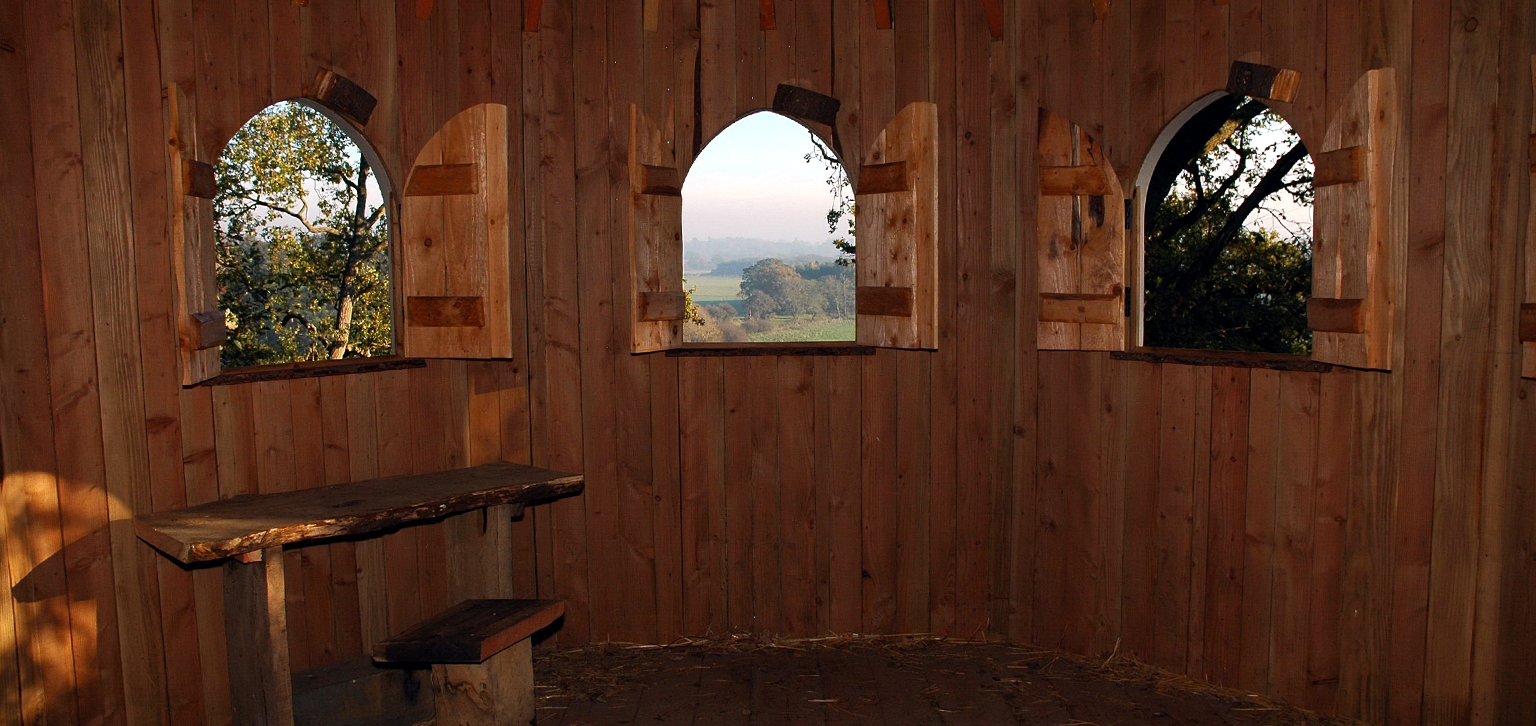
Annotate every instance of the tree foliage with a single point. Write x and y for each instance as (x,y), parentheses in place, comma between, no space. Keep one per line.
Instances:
(771,287)
(1214,278)
(303,256)
(843,205)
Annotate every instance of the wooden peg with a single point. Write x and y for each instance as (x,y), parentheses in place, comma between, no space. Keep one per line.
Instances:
(423,9)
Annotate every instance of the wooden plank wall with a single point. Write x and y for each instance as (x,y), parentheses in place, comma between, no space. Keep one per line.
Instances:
(1356,542)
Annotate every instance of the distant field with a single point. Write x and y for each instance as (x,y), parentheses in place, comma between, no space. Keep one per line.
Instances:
(799,332)
(715,288)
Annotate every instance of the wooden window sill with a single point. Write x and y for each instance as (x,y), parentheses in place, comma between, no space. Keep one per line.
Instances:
(1227,358)
(721,350)
(310,369)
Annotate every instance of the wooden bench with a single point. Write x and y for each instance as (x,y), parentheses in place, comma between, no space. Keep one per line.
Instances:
(482,658)
(248,534)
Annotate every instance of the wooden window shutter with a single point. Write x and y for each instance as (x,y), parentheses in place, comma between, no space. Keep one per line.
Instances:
(200,322)
(1353,248)
(656,299)
(897,222)
(453,262)
(1081,243)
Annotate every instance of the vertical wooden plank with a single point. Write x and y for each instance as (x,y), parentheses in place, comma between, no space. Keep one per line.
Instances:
(158,347)
(1517,702)
(561,330)
(1330,505)
(1056,475)
(739,521)
(272,436)
(1199,524)
(1143,384)
(1024,38)
(110,234)
(1420,375)
(200,472)
(346,616)
(938,26)
(1465,385)
(1264,457)
(972,281)
(314,560)
(1082,504)
(424,436)
(750,61)
(701,446)
(1226,527)
(363,463)
(763,395)
(595,233)
(37,673)
(632,389)
(1175,481)
(1294,507)
(841,411)
(797,495)
(402,584)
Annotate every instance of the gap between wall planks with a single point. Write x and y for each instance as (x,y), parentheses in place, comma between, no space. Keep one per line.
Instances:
(947,428)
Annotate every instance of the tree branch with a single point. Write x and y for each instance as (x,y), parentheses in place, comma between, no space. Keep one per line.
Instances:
(1273,181)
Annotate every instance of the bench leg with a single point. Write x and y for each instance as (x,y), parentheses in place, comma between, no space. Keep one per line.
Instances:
(256,633)
(498,692)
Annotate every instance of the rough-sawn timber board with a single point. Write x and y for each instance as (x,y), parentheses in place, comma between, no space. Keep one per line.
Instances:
(230,527)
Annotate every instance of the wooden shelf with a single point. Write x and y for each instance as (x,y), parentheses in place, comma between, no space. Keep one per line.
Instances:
(232,527)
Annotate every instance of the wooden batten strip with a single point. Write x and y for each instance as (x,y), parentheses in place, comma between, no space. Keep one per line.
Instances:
(884,178)
(1341,166)
(423,9)
(205,330)
(1072,181)
(994,18)
(665,305)
(531,12)
(661,181)
(424,311)
(765,13)
(1336,315)
(343,96)
(200,179)
(894,302)
(1261,81)
(805,104)
(442,180)
(1103,309)
(1528,323)
(1530,153)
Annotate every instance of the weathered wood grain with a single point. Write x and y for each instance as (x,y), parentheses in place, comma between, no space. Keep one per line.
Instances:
(244,524)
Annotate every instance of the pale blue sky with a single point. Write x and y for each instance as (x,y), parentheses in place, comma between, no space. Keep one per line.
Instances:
(753,181)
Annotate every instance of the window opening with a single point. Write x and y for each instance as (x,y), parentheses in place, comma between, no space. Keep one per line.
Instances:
(1228,234)
(303,258)
(768,237)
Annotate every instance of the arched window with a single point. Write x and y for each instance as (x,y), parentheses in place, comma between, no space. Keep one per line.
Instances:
(896,278)
(303,259)
(1227,259)
(767,237)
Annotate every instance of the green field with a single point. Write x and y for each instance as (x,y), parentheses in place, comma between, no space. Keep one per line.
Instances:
(800,331)
(715,288)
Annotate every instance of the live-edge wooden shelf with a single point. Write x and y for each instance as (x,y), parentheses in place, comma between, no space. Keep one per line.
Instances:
(232,527)
(248,534)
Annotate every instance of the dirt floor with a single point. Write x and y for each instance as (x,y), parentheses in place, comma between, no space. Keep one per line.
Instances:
(873,681)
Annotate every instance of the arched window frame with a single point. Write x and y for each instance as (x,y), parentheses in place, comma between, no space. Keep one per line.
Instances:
(897,260)
(469,202)
(1358,247)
